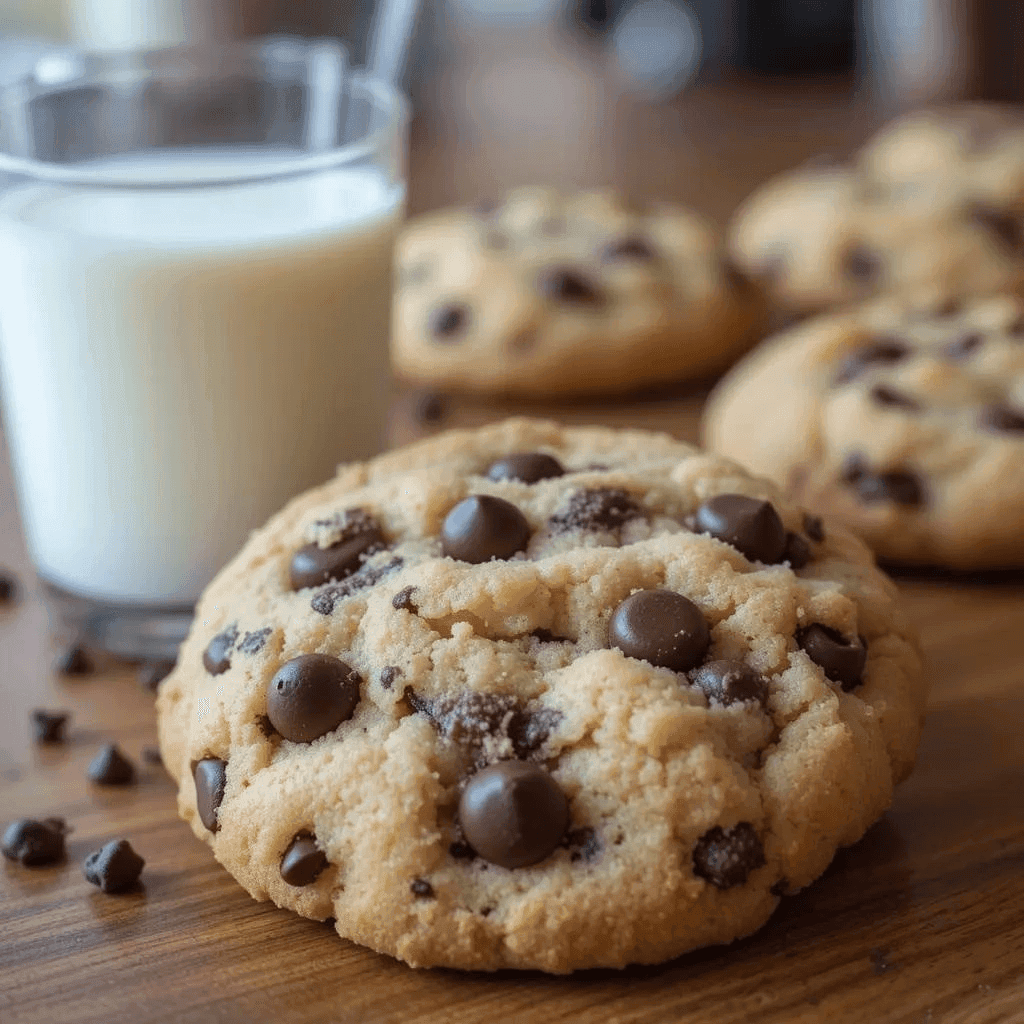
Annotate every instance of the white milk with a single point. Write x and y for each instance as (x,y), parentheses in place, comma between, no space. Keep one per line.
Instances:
(177,363)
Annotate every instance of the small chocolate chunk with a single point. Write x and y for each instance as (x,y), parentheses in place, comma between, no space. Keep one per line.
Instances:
(583,844)
(633,247)
(74,660)
(1003,419)
(303,862)
(513,813)
(254,641)
(449,322)
(325,600)
(217,656)
(48,726)
(840,659)
(529,730)
(726,857)
(1001,225)
(152,673)
(313,565)
(469,717)
(750,525)
(814,527)
(730,682)
(527,467)
(34,843)
(402,601)
(481,528)
(862,264)
(662,627)
(151,755)
(948,308)
(883,352)
(8,587)
(461,850)
(569,286)
(595,510)
(311,695)
(115,867)
(111,768)
(210,777)
(898,486)
(388,675)
(422,888)
(885,395)
(429,408)
(963,346)
(798,551)
(266,727)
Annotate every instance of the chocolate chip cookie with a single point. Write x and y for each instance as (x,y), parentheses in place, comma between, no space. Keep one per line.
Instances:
(904,422)
(549,294)
(537,697)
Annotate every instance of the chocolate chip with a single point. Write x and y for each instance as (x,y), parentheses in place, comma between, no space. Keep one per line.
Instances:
(1003,226)
(311,695)
(469,717)
(583,844)
(529,730)
(115,867)
(884,352)
(48,726)
(569,286)
(303,862)
(210,777)
(662,627)
(888,396)
(325,600)
(481,528)
(266,727)
(545,636)
(388,675)
(862,264)
(313,565)
(798,551)
(151,755)
(841,660)
(111,768)
(725,857)
(217,656)
(632,247)
(527,467)
(8,587)
(948,308)
(597,509)
(963,346)
(449,321)
(34,843)
(750,525)
(1002,418)
(252,642)
(898,486)
(422,888)
(730,682)
(402,601)
(461,850)
(74,661)
(428,408)
(513,813)
(152,673)
(814,527)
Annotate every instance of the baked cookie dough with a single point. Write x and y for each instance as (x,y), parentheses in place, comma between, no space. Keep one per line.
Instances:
(550,294)
(904,422)
(537,697)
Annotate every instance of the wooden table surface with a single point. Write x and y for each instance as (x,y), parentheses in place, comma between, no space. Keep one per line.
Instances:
(922,921)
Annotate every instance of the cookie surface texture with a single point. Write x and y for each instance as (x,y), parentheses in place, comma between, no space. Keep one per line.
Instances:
(457,759)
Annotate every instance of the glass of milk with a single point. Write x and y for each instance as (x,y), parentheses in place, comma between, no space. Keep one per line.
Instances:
(195,285)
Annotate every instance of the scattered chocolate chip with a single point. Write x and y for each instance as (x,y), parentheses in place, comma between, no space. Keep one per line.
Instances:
(798,551)
(630,248)
(527,467)
(8,587)
(841,660)
(513,813)
(481,528)
(74,661)
(402,601)
(725,857)
(529,730)
(963,346)
(111,768)
(1003,226)
(34,843)
(883,394)
(566,285)
(422,888)
(583,844)
(597,509)
(115,867)
(750,525)
(898,486)
(252,642)
(311,695)
(862,264)
(814,527)
(545,636)
(152,673)
(217,656)
(303,862)
(210,777)
(428,408)
(884,352)
(449,321)
(151,755)
(265,726)
(48,726)
(388,675)
(313,565)
(662,627)
(730,682)
(461,850)
(1003,419)
(325,600)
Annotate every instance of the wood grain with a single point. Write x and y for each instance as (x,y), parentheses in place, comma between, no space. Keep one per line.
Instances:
(922,921)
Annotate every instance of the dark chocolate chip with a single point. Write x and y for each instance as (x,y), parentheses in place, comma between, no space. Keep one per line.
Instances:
(583,844)
(210,777)
(750,525)
(217,656)
(814,527)
(730,682)
(481,528)
(889,396)
(402,601)
(449,321)
(151,755)
(422,888)
(884,352)
(311,695)
(726,857)
(313,565)
(469,717)
(461,850)
(303,862)
(854,468)
(862,264)
(963,346)
(841,660)
(545,636)
(898,486)
(265,726)
(429,408)
(513,813)
(662,627)
(1002,418)
(1003,226)
(527,467)
(630,248)
(74,661)
(324,601)
(569,286)
(388,675)
(253,642)
(798,551)
(115,867)
(152,673)
(597,509)
(8,587)
(48,726)
(34,843)
(111,768)
(529,730)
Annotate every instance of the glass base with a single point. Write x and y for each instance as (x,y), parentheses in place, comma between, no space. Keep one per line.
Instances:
(135,632)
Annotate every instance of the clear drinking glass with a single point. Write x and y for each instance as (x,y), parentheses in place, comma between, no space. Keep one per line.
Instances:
(195,288)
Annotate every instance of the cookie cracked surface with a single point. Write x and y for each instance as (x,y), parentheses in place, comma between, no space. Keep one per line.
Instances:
(511,788)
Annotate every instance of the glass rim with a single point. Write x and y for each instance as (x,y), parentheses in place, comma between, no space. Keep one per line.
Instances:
(384,96)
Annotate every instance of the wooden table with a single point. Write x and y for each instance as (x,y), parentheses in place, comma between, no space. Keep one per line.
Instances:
(922,921)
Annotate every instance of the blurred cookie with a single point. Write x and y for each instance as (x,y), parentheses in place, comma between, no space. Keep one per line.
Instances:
(549,294)
(906,424)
